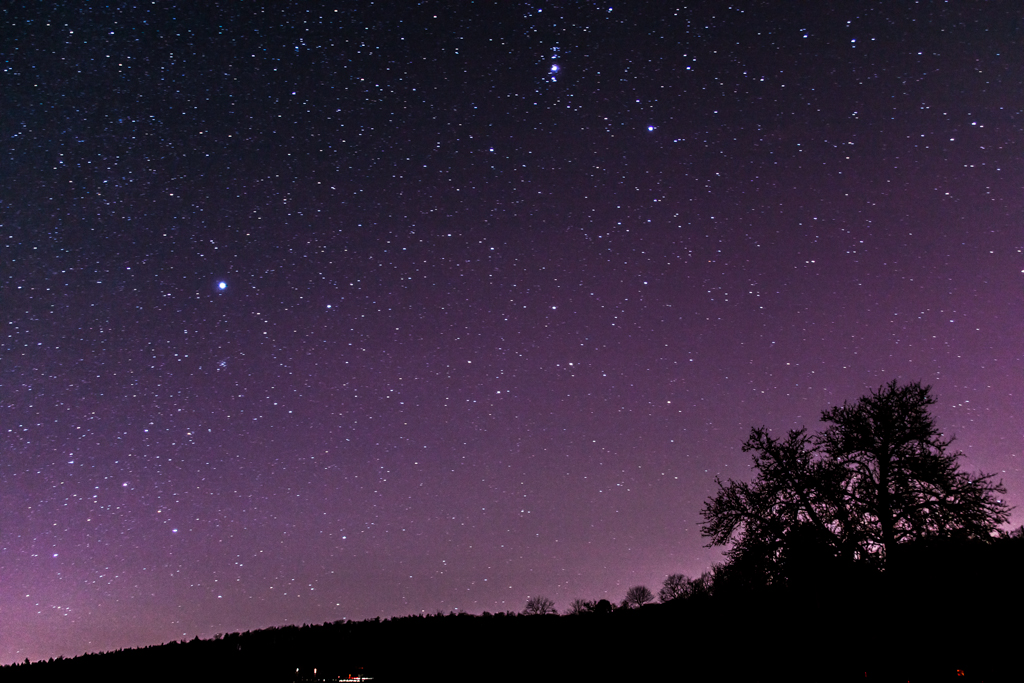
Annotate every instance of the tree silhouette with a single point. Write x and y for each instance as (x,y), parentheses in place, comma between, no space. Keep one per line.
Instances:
(675,586)
(581,606)
(878,476)
(638,596)
(540,605)
(704,584)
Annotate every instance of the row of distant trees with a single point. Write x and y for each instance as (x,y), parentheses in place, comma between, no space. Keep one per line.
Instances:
(675,587)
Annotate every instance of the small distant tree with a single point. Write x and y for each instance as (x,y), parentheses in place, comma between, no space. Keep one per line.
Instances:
(675,586)
(638,596)
(540,605)
(581,606)
(603,606)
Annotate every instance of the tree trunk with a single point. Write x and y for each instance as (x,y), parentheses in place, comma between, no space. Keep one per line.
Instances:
(885,501)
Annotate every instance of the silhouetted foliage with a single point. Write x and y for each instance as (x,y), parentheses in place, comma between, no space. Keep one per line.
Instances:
(638,596)
(581,606)
(675,586)
(540,605)
(878,476)
(704,585)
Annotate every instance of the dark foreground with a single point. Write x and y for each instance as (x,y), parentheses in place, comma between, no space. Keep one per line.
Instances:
(953,613)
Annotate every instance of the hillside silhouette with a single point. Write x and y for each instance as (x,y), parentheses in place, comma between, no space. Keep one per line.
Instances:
(863,552)
(950,612)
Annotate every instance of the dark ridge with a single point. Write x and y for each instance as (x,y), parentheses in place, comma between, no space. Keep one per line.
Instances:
(948,611)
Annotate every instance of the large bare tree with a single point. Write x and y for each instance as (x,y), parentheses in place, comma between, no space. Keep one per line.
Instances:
(879,475)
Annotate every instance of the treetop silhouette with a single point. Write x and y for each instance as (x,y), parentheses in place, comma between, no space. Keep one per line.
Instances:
(879,475)
(638,596)
(539,604)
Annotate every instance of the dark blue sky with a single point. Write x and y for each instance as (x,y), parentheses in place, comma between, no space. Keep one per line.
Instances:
(505,287)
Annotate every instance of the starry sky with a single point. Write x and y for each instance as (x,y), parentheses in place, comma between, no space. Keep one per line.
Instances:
(316,311)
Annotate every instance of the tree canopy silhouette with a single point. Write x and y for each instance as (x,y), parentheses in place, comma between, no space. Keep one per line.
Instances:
(880,474)
(638,596)
(675,586)
(540,605)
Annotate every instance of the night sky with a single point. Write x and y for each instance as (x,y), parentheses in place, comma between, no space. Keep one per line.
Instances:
(338,310)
